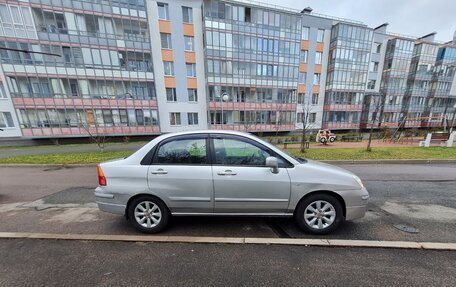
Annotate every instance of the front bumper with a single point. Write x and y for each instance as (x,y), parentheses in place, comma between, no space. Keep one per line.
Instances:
(359,206)
(355,212)
(108,202)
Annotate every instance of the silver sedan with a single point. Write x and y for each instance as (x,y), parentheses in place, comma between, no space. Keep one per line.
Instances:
(226,173)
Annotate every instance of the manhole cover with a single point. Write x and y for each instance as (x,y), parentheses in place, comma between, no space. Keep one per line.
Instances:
(406,228)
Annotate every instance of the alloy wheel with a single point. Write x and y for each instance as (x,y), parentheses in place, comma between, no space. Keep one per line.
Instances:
(319,214)
(147,214)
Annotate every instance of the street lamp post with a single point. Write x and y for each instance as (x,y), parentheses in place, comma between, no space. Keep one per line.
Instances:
(224,98)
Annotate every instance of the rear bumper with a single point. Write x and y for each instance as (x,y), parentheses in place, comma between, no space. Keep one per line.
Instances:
(108,202)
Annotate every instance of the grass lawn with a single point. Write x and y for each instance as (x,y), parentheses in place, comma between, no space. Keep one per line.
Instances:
(67,158)
(318,154)
(377,153)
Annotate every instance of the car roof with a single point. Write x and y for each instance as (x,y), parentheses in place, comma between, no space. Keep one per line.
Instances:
(207,132)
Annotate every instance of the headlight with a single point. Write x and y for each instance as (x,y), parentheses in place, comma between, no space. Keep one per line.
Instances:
(358,180)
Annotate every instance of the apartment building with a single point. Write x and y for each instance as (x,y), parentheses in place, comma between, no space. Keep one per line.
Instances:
(142,67)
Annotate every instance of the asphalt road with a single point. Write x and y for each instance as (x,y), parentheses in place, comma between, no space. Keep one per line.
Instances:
(76,263)
(60,200)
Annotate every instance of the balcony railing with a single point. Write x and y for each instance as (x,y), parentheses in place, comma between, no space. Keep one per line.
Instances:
(53,29)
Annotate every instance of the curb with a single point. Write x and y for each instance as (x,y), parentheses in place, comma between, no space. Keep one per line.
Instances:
(236,240)
(335,162)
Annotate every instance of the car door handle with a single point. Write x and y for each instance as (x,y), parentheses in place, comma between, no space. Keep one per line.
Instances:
(227,172)
(159,171)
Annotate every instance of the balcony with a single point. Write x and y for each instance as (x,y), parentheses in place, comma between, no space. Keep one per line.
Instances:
(79,103)
(340,125)
(238,106)
(343,107)
(81,132)
(91,30)
(254,127)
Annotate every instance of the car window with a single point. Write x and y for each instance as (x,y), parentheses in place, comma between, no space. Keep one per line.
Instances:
(184,151)
(238,152)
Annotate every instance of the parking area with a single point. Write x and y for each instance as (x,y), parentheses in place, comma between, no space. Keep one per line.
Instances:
(408,203)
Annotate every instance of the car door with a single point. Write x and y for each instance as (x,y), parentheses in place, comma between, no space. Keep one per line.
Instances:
(181,174)
(242,182)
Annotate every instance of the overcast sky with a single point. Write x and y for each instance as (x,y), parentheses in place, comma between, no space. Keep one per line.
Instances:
(409,17)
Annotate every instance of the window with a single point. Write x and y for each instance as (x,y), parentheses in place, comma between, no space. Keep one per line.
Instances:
(305,33)
(163,12)
(192,119)
(169,68)
(175,119)
(378,47)
(237,152)
(166,41)
(107,117)
(302,77)
(191,70)
(299,118)
(304,56)
(187,15)
(171,95)
(189,43)
(320,35)
(16,21)
(314,99)
(123,117)
(192,95)
(139,117)
(312,118)
(318,57)
(183,151)
(6,121)
(2,92)
(371,84)
(316,80)
(373,66)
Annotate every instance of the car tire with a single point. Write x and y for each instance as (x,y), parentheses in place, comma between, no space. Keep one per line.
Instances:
(148,214)
(332,139)
(319,221)
(323,140)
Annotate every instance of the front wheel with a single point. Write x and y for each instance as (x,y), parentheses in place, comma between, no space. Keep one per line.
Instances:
(319,214)
(332,139)
(148,214)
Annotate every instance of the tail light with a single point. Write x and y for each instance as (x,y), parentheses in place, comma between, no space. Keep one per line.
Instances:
(101,177)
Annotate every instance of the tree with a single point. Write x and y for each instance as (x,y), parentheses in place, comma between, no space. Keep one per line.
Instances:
(96,134)
(279,120)
(249,120)
(306,124)
(376,101)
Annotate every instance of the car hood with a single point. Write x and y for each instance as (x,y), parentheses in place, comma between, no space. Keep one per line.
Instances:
(325,167)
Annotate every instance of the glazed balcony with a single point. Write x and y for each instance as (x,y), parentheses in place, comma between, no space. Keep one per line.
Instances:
(254,127)
(82,103)
(239,106)
(81,132)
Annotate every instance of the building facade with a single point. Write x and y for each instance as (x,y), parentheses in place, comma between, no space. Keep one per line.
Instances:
(139,67)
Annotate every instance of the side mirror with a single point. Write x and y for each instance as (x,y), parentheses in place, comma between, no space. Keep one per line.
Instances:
(273,163)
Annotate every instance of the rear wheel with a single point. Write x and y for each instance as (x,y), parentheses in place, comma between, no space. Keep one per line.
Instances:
(332,139)
(319,214)
(323,140)
(148,214)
